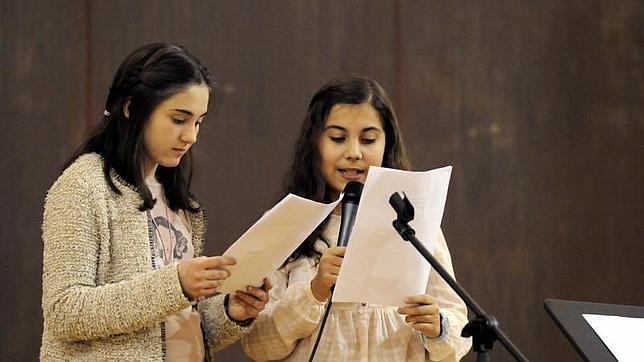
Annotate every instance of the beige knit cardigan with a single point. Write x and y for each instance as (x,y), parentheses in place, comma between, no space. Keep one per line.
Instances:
(102,297)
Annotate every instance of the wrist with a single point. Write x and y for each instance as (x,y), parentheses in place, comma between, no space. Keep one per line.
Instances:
(178,266)
(318,293)
(442,331)
(243,322)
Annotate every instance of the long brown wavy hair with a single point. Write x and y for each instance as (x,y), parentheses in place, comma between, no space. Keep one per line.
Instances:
(305,177)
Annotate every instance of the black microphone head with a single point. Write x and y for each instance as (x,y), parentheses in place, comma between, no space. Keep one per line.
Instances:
(352,191)
(350,200)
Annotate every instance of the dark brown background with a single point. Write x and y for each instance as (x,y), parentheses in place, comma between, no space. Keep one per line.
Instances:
(538,105)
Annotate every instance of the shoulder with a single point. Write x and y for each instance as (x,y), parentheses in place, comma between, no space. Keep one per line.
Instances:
(83,176)
(441,251)
(320,246)
(86,167)
(197,220)
(301,263)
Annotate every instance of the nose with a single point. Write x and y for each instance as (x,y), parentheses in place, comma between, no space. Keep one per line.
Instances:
(189,134)
(354,150)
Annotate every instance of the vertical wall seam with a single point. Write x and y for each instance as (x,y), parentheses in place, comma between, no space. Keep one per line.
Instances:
(89,114)
(398,61)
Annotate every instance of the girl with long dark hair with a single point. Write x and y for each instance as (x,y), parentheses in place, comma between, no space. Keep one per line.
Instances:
(123,278)
(350,125)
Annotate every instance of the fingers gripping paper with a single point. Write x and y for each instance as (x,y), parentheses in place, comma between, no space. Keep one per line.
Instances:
(268,243)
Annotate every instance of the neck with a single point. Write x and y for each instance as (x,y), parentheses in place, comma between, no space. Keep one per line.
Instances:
(149,168)
(337,210)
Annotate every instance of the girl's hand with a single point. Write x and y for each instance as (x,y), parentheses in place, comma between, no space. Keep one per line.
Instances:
(202,276)
(245,305)
(423,313)
(328,270)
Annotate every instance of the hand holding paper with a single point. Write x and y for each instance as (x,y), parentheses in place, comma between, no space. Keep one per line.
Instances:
(378,266)
(264,247)
(248,304)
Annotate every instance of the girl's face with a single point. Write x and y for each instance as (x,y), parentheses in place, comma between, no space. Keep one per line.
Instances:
(353,139)
(173,127)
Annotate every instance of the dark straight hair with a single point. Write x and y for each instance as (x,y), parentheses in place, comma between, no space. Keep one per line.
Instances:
(147,77)
(305,177)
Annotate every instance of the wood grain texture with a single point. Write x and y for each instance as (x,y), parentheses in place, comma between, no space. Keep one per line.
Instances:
(42,108)
(538,106)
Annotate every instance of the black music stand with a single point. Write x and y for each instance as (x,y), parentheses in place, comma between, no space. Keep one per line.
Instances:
(567,314)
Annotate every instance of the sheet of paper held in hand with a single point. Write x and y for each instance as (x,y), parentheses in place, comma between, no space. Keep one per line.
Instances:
(622,335)
(271,240)
(379,267)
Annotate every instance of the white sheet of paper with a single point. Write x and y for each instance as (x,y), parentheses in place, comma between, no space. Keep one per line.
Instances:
(269,242)
(622,335)
(379,267)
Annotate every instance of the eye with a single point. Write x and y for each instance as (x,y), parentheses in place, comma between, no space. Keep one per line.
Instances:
(178,121)
(368,141)
(338,139)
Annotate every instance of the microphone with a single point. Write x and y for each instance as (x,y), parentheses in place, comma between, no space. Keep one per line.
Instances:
(350,201)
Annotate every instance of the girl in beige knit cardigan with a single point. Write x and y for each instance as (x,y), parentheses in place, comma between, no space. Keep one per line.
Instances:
(123,278)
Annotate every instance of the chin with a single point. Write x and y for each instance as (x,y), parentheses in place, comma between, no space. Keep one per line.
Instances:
(170,164)
(338,188)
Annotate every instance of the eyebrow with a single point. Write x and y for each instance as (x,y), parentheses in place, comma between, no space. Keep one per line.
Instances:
(344,129)
(186,112)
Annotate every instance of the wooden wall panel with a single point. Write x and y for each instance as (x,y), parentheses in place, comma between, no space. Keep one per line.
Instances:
(537,106)
(267,60)
(42,107)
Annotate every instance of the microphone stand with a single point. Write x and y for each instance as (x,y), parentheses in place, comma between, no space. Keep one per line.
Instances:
(484,329)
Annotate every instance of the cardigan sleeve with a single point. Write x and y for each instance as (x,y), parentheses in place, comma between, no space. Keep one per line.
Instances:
(450,346)
(219,330)
(75,307)
(292,313)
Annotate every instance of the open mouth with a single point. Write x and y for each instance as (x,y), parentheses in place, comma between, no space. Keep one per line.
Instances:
(351,172)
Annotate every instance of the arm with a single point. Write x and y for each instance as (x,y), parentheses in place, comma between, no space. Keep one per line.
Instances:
(75,307)
(219,330)
(225,318)
(292,313)
(449,346)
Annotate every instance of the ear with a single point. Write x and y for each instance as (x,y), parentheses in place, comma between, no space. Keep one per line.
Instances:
(126,108)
